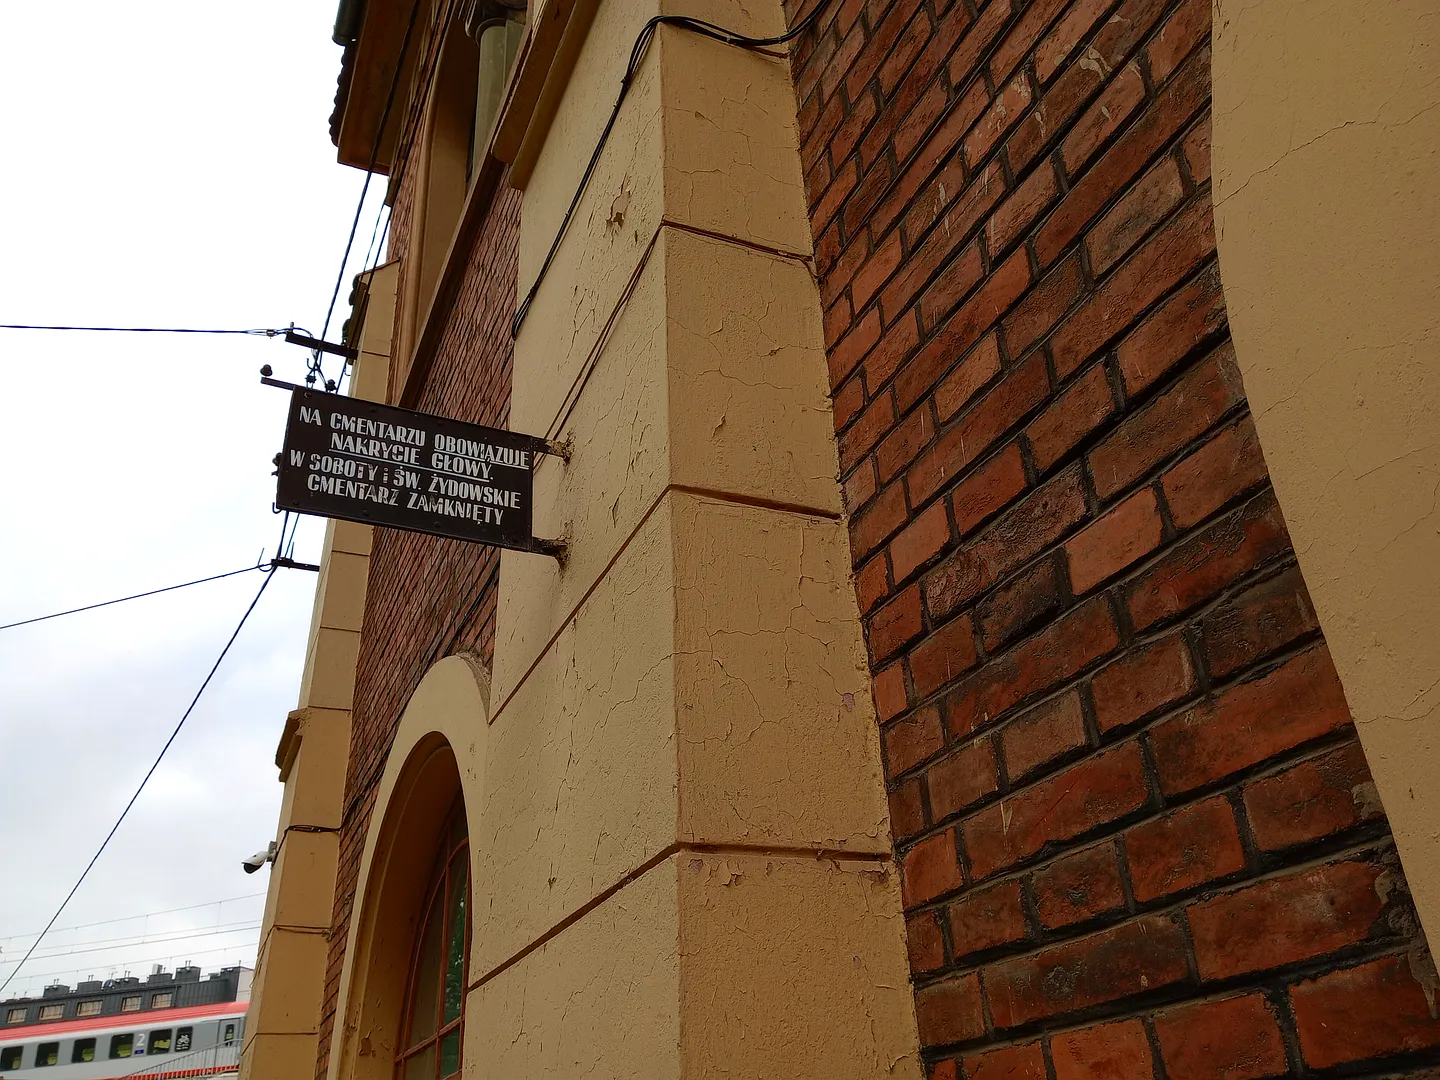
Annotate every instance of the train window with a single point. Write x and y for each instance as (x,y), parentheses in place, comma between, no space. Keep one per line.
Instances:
(122,1046)
(84,1051)
(52,1012)
(10,1057)
(162,1001)
(229,1039)
(182,1040)
(15,1016)
(47,1054)
(130,1004)
(88,1008)
(160,1041)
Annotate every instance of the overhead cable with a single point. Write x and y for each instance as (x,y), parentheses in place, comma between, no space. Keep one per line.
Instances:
(637,54)
(141,330)
(136,596)
(144,915)
(269,576)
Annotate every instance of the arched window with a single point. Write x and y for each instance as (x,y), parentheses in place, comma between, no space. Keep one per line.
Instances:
(435,1001)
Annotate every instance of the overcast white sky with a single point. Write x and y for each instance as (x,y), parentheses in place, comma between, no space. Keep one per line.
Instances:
(164,163)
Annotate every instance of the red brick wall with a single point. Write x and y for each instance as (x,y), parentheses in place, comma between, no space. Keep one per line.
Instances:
(1137,832)
(428,597)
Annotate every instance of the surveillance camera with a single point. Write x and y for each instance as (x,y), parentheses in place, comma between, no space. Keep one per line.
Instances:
(259,859)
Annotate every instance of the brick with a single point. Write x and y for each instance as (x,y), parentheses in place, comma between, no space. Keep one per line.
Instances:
(812,150)
(1193,314)
(875,272)
(1084,406)
(1109,113)
(1013,218)
(1023,531)
(1143,681)
(950,1012)
(925,942)
(1121,537)
(921,541)
(1318,797)
(848,134)
(986,919)
(992,20)
(958,206)
(847,176)
(851,349)
(1236,1038)
(890,352)
(1185,96)
(1050,116)
(1131,219)
(1200,567)
(1168,256)
(942,657)
(987,489)
(962,274)
(889,690)
(868,192)
(1285,920)
(1077,22)
(872,584)
(1022,37)
(911,740)
(907,815)
(1004,112)
(1024,1062)
(1181,850)
(959,387)
(1043,307)
(1079,887)
(905,136)
(1136,957)
(858,487)
(1258,622)
(877,521)
(931,868)
(962,779)
(1042,735)
(1196,401)
(848,401)
(1115,1051)
(895,625)
(851,258)
(980,311)
(868,59)
(953,284)
(1250,722)
(1182,32)
(907,47)
(867,429)
(899,448)
(851,46)
(935,150)
(1094,792)
(1375,1009)
(1012,609)
(949,1070)
(971,437)
(1197,151)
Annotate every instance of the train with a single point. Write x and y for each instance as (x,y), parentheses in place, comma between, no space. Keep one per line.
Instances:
(193,1041)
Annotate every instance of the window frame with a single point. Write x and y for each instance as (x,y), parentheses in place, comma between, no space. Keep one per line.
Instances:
(52,1012)
(451,846)
(18,1051)
(167,1003)
(11,1018)
(117,1042)
(42,1051)
(78,1048)
(132,1003)
(153,1040)
(89,1008)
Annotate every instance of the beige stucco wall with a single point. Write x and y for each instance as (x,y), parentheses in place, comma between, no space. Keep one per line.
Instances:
(283,1023)
(1327,198)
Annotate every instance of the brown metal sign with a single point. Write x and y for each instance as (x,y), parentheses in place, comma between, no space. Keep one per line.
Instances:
(361,461)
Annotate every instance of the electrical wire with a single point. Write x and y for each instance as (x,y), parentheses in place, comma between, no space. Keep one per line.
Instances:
(269,576)
(241,947)
(143,915)
(136,596)
(169,937)
(140,330)
(637,55)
